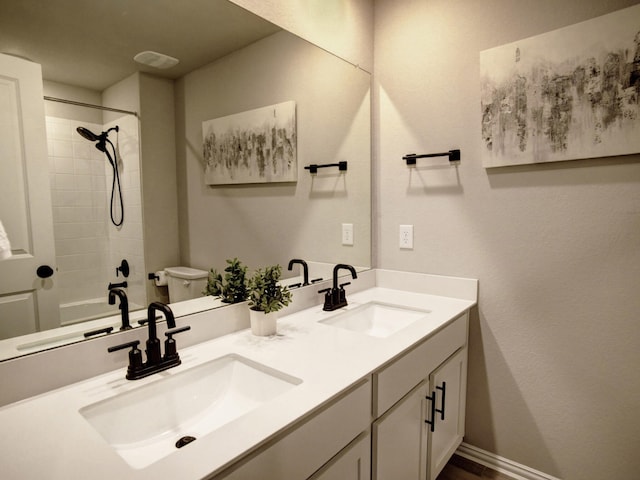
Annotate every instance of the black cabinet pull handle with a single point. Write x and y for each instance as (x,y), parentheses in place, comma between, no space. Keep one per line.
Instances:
(443,389)
(432,401)
(44,271)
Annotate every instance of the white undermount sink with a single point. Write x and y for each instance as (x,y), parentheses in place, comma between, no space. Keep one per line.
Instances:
(145,424)
(376,319)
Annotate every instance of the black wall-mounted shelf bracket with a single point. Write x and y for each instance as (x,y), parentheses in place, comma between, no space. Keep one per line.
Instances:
(454,156)
(313,168)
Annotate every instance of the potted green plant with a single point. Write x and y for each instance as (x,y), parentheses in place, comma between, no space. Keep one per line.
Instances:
(233,287)
(214,284)
(266,297)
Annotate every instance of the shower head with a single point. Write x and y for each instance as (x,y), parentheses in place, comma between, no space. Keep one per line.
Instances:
(89,135)
(92,137)
(101,139)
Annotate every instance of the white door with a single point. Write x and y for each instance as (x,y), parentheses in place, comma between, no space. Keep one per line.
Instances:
(28,303)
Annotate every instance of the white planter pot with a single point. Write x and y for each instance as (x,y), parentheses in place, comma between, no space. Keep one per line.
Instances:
(263,324)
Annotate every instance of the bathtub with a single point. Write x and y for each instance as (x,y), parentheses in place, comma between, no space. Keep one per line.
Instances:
(72,317)
(84,310)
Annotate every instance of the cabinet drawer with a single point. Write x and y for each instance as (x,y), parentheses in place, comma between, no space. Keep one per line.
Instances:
(301,451)
(392,382)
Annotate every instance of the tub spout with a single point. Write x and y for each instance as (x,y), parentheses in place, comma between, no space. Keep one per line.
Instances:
(124,306)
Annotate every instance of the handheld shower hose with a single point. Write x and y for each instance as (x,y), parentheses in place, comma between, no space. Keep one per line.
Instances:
(102,141)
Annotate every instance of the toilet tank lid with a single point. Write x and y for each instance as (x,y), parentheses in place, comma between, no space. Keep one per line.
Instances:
(186,272)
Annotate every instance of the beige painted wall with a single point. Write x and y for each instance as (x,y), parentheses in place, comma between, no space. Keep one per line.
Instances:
(153,99)
(272,223)
(342,27)
(554,346)
(159,184)
(126,241)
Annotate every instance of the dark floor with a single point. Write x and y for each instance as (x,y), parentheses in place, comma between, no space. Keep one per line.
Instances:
(460,468)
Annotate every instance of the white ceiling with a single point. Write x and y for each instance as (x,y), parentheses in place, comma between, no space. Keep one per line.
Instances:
(91,43)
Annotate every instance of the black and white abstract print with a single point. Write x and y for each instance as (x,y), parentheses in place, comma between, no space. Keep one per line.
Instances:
(256,146)
(568,94)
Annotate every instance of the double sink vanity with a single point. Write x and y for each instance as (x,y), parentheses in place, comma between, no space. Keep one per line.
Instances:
(373,390)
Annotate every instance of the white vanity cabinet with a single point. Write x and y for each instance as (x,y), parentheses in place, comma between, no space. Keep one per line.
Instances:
(426,384)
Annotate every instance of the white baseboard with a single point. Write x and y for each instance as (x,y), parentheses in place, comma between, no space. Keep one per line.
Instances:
(500,464)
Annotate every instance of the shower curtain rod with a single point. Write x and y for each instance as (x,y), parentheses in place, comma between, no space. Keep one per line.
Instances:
(81,104)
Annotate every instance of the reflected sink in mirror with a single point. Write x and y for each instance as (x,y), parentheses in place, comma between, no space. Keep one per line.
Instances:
(148,423)
(376,319)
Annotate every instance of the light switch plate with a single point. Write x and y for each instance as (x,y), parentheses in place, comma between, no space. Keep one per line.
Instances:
(347,234)
(406,237)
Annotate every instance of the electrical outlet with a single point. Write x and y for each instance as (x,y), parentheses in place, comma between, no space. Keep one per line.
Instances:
(406,237)
(347,234)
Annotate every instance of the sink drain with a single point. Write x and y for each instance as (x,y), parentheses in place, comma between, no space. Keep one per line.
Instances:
(186,440)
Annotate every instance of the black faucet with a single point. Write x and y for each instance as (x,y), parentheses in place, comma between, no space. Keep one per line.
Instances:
(156,362)
(117,285)
(336,297)
(124,306)
(305,269)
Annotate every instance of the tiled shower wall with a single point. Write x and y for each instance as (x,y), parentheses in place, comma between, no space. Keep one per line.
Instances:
(126,241)
(88,246)
(79,199)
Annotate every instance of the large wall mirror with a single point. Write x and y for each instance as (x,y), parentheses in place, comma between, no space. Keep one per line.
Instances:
(230,61)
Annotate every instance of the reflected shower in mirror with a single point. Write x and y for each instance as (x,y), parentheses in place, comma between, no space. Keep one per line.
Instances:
(92,185)
(172,218)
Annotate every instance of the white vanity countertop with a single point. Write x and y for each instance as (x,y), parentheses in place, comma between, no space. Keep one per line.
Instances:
(46,436)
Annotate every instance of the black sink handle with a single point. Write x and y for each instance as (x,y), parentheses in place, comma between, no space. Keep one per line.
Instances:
(98,332)
(173,331)
(135,357)
(170,348)
(133,345)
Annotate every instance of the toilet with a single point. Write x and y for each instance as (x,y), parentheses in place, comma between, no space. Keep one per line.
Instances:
(185,283)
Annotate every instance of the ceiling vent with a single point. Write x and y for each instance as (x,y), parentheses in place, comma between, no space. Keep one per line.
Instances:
(155,59)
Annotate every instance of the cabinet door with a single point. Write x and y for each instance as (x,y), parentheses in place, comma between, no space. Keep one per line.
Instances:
(353,463)
(399,439)
(448,382)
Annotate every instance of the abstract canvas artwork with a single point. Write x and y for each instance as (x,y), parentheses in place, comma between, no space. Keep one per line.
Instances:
(256,146)
(568,94)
